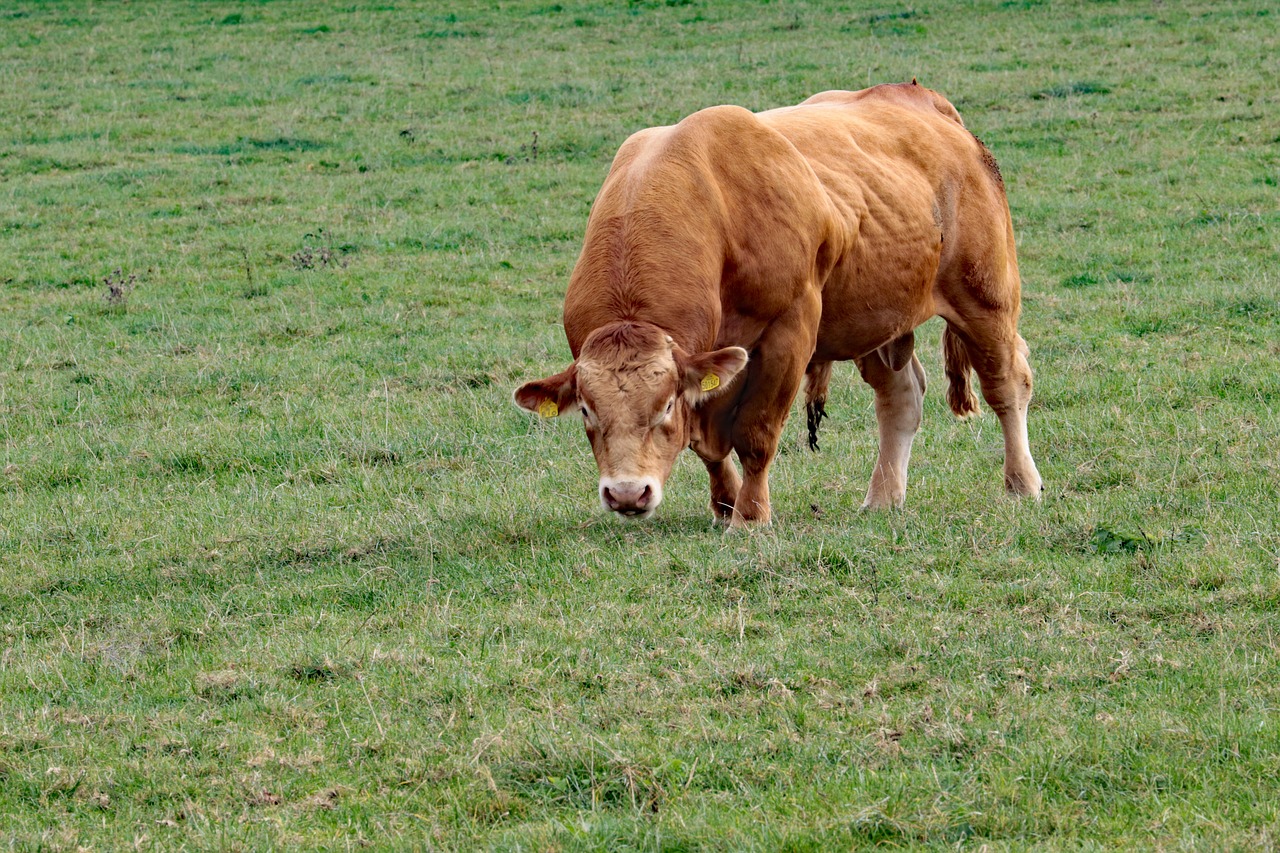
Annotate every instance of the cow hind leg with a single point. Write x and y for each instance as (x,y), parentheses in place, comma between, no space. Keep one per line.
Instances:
(999,356)
(897,377)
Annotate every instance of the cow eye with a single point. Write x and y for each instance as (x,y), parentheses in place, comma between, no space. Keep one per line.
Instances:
(587,415)
(666,413)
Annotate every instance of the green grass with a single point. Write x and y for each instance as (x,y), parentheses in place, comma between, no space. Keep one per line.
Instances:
(282,566)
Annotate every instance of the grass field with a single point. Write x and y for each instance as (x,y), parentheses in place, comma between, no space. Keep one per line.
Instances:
(281,565)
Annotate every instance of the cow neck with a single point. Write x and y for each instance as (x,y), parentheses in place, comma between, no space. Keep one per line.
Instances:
(686,339)
(691,330)
(646,271)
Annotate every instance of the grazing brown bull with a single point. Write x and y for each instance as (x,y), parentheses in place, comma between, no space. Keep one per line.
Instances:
(733,253)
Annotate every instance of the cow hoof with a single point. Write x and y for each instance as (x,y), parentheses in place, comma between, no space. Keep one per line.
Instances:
(721,514)
(1028,487)
(877,504)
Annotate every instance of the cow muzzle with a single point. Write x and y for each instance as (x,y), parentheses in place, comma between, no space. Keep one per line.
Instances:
(632,497)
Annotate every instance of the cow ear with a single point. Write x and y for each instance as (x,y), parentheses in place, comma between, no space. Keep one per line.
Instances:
(709,373)
(552,396)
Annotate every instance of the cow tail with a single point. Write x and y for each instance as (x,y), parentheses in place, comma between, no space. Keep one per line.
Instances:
(960,396)
(817,378)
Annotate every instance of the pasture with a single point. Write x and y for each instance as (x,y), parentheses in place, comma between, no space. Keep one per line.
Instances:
(281,565)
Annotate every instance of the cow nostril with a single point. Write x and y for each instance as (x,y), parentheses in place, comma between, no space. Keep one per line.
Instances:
(630,497)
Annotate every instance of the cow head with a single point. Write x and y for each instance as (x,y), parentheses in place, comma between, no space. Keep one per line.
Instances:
(636,390)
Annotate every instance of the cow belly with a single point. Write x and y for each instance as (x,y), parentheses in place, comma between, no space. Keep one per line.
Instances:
(860,318)
(845,341)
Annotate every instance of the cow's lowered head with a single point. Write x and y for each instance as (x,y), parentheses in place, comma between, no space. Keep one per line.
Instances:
(635,388)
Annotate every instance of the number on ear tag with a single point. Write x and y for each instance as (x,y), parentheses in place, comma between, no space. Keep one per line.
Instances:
(710,382)
(548,408)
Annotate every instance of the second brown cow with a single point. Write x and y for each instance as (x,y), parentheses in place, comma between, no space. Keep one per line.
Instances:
(731,254)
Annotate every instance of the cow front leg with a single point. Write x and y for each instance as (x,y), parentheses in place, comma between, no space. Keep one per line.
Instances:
(774,374)
(899,404)
(709,438)
(725,485)
(752,506)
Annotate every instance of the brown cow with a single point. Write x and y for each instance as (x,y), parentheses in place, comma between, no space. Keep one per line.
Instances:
(730,254)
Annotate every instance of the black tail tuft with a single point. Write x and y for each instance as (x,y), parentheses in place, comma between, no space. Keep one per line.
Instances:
(817,410)
(817,377)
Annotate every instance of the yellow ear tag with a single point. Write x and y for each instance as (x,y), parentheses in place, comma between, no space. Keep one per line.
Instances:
(548,408)
(710,382)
